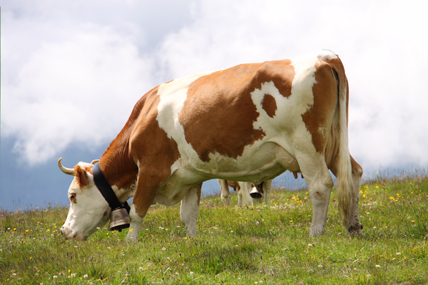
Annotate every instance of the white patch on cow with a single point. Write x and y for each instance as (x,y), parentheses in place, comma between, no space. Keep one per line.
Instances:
(322,131)
(172,97)
(124,194)
(303,82)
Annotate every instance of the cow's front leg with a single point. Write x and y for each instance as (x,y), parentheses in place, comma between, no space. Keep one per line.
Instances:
(135,226)
(190,209)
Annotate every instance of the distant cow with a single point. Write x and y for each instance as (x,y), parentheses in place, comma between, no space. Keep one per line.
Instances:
(246,191)
(242,188)
(248,123)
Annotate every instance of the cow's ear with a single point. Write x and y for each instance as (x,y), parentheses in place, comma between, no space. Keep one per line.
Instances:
(81,176)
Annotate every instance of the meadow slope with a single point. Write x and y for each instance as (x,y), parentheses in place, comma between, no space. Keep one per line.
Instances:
(264,244)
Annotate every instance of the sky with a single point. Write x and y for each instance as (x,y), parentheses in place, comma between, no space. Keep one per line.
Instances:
(71,72)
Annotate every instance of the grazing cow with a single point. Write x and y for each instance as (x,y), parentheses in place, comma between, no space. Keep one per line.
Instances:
(261,190)
(258,191)
(242,188)
(247,191)
(248,123)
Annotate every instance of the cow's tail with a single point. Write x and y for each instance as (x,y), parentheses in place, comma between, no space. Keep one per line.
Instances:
(344,169)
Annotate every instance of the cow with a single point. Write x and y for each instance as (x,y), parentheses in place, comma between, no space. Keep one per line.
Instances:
(242,188)
(246,191)
(250,123)
(263,189)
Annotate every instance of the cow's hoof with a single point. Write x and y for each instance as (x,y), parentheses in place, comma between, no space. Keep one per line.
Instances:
(355,230)
(226,200)
(316,231)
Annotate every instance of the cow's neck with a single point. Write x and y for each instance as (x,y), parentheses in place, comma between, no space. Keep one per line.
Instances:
(119,169)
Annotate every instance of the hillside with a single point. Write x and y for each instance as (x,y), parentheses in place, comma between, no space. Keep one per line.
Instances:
(266,244)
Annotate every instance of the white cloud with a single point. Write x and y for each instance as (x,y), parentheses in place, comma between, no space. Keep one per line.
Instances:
(78,90)
(82,54)
(382,46)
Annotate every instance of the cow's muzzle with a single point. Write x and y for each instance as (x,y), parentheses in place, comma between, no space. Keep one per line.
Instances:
(72,235)
(257,191)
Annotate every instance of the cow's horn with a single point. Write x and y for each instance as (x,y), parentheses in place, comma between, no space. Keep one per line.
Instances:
(95,161)
(68,171)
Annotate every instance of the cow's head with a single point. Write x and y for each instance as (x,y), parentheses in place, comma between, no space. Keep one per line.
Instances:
(88,208)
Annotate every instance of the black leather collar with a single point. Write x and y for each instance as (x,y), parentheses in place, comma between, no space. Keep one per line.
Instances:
(106,189)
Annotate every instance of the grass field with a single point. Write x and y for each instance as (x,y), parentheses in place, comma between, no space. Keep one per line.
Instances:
(266,244)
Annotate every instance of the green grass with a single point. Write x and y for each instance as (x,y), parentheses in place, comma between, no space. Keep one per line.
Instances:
(259,245)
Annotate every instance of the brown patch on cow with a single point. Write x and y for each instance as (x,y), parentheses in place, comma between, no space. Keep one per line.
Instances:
(81,176)
(234,185)
(269,105)
(88,169)
(337,66)
(150,145)
(319,116)
(280,72)
(218,114)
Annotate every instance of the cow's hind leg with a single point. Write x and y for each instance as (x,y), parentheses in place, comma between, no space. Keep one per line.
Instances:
(225,193)
(190,209)
(267,185)
(320,183)
(244,198)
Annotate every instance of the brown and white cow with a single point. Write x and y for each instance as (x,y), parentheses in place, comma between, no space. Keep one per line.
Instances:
(241,188)
(248,123)
(245,191)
